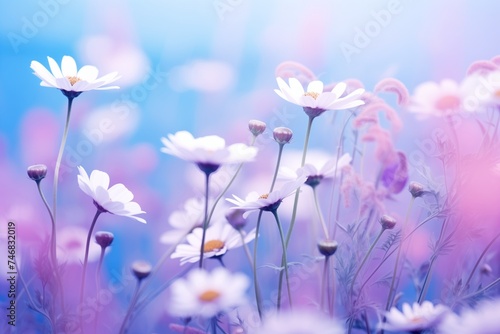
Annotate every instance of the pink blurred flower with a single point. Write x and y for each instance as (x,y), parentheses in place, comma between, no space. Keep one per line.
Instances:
(437,99)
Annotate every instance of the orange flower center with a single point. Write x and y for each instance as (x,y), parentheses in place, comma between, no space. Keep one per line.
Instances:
(209,296)
(265,196)
(213,245)
(73,80)
(448,102)
(497,94)
(312,94)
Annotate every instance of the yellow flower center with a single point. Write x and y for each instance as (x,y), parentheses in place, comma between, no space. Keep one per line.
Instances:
(213,245)
(73,80)
(209,296)
(312,94)
(265,196)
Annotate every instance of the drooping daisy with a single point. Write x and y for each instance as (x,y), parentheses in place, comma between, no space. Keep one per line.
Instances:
(192,216)
(209,152)
(315,101)
(219,239)
(318,169)
(437,99)
(482,319)
(116,200)
(69,79)
(414,318)
(207,294)
(269,201)
(298,321)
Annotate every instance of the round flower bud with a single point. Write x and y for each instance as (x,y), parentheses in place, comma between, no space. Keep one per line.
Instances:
(282,135)
(141,269)
(387,222)
(104,238)
(235,218)
(486,269)
(256,127)
(327,247)
(416,189)
(37,172)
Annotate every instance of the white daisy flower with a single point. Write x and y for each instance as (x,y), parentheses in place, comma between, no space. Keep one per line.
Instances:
(71,245)
(317,170)
(116,200)
(192,216)
(482,319)
(207,152)
(207,294)
(314,100)
(414,318)
(69,79)
(267,202)
(437,99)
(482,91)
(298,321)
(219,239)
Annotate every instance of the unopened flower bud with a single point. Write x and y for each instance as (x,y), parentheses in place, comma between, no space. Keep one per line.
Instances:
(37,172)
(387,222)
(256,127)
(141,269)
(486,269)
(235,218)
(328,247)
(282,135)
(104,238)
(416,189)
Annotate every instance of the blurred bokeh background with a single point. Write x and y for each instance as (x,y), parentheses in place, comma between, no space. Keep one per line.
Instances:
(203,66)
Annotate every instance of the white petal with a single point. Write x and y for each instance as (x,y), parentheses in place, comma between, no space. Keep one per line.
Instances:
(68,66)
(339,89)
(296,87)
(44,74)
(54,68)
(315,87)
(99,178)
(120,193)
(88,73)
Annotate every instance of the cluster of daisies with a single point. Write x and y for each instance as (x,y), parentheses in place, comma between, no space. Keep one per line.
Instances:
(209,227)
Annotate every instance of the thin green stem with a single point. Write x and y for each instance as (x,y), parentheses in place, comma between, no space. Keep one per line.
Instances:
(258,297)
(277,167)
(123,328)
(365,259)
(87,247)
(284,259)
(205,222)
(398,255)
(59,159)
(320,215)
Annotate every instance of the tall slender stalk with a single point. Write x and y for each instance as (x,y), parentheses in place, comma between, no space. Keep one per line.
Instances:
(205,222)
(258,297)
(284,257)
(87,247)
(123,328)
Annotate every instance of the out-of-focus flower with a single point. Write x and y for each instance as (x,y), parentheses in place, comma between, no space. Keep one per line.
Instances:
(267,202)
(299,321)
(141,269)
(482,91)
(71,245)
(219,239)
(68,78)
(207,152)
(116,200)
(207,294)
(414,318)
(387,222)
(317,170)
(314,100)
(437,99)
(416,189)
(482,319)
(395,176)
(192,216)
(256,127)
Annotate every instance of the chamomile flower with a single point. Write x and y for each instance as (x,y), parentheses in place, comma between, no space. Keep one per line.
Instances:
(482,319)
(219,239)
(414,318)
(437,99)
(68,78)
(116,200)
(207,294)
(269,201)
(315,101)
(209,152)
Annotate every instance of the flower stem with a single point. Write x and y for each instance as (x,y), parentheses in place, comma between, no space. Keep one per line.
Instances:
(479,260)
(285,261)
(98,284)
(87,247)
(58,161)
(398,255)
(365,259)
(258,297)
(205,221)
(277,167)
(123,328)
(320,215)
